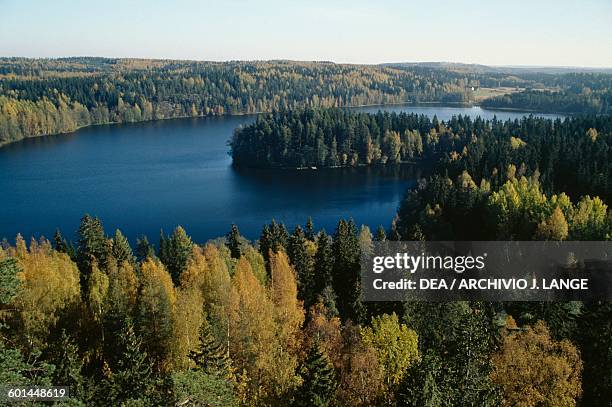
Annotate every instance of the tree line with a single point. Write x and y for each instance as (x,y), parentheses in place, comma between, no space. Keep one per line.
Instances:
(278,322)
(584,100)
(50,96)
(40,97)
(571,155)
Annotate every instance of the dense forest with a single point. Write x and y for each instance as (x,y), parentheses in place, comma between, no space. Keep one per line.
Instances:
(281,322)
(50,96)
(584,100)
(557,150)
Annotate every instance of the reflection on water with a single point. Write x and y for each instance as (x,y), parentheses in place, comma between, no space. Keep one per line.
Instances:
(146,176)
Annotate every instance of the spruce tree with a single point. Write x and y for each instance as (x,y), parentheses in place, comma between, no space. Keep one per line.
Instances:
(233,242)
(175,252)
(210,355)
(265,242)
(303,264)
(134,371)
(144,249)
(93,247)
(274,237)
(68,365)
(346,277)
(319,380)
(324,262)
(59,243)
(121,248)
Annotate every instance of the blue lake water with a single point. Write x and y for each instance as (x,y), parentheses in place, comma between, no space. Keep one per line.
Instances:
(146,176)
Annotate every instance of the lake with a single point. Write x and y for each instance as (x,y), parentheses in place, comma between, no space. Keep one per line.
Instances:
(145,176)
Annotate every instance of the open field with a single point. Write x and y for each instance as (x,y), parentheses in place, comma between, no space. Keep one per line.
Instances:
(484,93)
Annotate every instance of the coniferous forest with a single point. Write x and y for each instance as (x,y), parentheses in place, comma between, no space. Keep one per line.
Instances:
(555,150)
(51,96)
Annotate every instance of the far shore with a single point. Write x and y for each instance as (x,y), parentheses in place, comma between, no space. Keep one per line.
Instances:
(432,103)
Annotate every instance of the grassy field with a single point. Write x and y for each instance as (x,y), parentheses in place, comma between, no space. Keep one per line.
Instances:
(484,93)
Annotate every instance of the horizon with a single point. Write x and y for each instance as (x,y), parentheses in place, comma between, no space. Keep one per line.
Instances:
(533,34)
(514,66)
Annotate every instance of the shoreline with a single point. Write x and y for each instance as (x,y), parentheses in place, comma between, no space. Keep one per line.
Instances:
(433,103)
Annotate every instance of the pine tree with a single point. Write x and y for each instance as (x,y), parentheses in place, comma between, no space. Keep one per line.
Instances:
(233,242)
(210,355)
(318,379)
(121,248)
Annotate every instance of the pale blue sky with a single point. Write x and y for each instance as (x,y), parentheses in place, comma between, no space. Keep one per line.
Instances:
(535,32)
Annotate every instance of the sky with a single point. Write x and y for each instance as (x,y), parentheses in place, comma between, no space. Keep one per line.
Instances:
(490,32)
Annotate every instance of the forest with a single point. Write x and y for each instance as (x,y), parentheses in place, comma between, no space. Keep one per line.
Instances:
(557,150)
(52,96)
(281,320)
(584,100)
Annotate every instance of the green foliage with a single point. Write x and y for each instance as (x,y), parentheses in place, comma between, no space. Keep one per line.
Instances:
(556,153)
(175,251)
(16,369)
(9,282)
(50,96)
(68,365)
(395,344)
(301,254)
(318,380)
(309,231)
(199,388)
(273,238)
(209,355)
(233,241)
(121,249)
(595,340)
(144,249)
(324,262)
(133,375)
(457,339)
(346,277)
(421,385)
(571,100)
(93,246)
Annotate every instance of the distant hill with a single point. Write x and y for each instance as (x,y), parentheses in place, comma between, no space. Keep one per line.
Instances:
(511,69)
